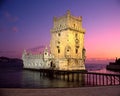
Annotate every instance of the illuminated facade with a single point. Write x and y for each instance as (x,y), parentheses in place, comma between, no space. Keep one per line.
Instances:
(37,61)
(66,44)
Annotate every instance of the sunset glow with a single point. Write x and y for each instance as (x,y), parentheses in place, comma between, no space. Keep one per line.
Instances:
(26,24)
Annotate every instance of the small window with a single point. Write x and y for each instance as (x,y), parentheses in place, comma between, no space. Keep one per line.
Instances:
(59,34)
(57,46)
(58,50)
(77,41)
(76,35)
(58,42)
(68,50)
(76,51)
(74,25)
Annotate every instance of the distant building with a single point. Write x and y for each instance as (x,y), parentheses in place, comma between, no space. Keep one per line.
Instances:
(114,66)
(67,50)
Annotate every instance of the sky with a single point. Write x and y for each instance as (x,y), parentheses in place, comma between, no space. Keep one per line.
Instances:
(26,24)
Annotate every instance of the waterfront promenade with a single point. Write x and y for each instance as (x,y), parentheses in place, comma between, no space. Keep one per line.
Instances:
(81,91)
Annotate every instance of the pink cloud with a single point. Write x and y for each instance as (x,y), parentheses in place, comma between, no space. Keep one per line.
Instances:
(8,24)
(5,29)
(14,29)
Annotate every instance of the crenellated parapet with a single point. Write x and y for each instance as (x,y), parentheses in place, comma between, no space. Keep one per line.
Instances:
(37,61)
(66,22)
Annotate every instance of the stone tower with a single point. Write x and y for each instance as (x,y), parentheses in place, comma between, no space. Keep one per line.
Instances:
(67,42)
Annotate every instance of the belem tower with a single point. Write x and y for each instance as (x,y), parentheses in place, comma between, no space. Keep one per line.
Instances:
(67,50)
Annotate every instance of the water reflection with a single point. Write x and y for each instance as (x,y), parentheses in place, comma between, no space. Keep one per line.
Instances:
(32,79)
(18,78)
(10,78)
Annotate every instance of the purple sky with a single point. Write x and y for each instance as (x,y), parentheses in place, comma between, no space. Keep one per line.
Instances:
(26,24)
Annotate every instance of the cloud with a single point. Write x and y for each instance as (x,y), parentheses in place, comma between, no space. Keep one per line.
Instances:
(8,22)
(14,29)
(8,29)
(16,18)
(6,14)
(99,60)
(10,17)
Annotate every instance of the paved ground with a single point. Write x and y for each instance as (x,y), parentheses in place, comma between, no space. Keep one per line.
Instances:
(83,91)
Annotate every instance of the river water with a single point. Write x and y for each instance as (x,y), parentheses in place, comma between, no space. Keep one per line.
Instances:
(16,77)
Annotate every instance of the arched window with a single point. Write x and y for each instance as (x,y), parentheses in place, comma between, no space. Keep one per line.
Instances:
(58,50)
(76,35)
(74,25)
(68,51)
(58,42)
(59,34)
(76,50)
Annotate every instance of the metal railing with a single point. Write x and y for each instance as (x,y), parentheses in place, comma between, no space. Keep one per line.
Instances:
(85,78)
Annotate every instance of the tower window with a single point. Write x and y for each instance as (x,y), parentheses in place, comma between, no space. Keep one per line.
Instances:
(58,42)
(76,51)
(57,46)
(74,25)
(58,50)
(76,35)
(77,41)
(59,34)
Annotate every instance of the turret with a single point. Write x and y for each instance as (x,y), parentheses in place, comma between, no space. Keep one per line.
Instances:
(46,54)
(24,54)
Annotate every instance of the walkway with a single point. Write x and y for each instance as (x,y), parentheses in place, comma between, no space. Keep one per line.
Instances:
(83,91)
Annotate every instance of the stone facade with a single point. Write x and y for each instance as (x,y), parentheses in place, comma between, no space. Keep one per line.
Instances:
(66,46)
(67,42)
(37,61)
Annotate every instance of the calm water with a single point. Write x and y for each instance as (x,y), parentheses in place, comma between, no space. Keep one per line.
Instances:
(15,77)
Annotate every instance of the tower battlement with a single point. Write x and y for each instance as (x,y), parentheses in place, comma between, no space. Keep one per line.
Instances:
(67,15)
(67,21)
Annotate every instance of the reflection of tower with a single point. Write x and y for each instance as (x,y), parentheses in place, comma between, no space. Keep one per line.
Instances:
(67,42)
